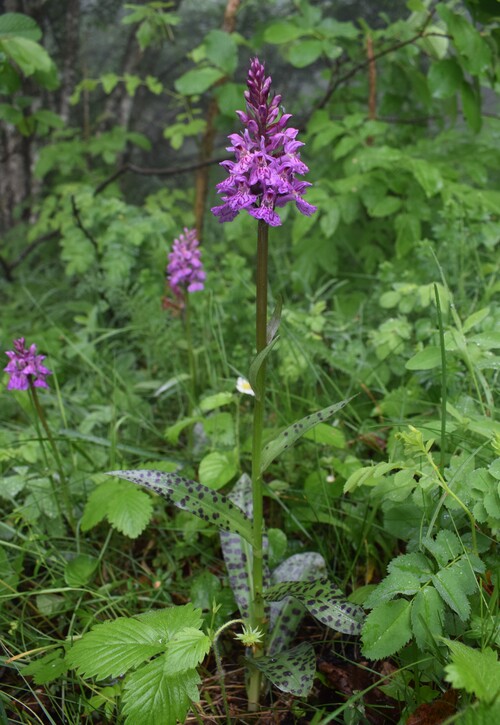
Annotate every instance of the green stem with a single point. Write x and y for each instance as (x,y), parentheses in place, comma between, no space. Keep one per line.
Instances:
(220,669)
(62,478)
(189,341)
(257,603)
(443,379)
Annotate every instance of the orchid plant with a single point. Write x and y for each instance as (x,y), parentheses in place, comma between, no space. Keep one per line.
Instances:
(28,373)
(262,178)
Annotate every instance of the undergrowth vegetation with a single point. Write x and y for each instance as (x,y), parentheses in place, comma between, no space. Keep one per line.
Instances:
(328,547)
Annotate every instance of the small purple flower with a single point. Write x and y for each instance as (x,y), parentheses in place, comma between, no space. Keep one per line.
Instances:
(25,367)
(267,159)
(185,268)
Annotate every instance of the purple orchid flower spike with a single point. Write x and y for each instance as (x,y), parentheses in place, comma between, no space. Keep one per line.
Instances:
(185,269)
(25,367)
(267,158)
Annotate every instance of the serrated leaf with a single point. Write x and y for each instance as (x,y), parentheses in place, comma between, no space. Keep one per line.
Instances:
(397,582)
(387,629)
(194,497)
(427,615)
(187,649)
(47,668)
(288,437)
(197,81)
(454,584)
(290,671)
(445,547)
(131,512)
(154,696)
(324,601)
(474,671)
(113,648)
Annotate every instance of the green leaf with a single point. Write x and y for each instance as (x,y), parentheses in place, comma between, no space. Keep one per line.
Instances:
(397,582)
(427,616)
(216,469)
(193,497)
(127,511)
(387,629)
(445,78)
(155,696)
(257,364)
(474,671)
(305,52)
(186,649)
(27,54)
(79,571)
(221,50)
(109,82)
(282,32)
(445,547)
(427,175)
(47,668)
(475,51)
(18,25)
(323,600)
(475,319)
(49,118)
(385,207)
(211,402)
(197,81)
(290,671)
(113,648)
(288,437)
(471,103)
(274,321)
(326,435)
(426,359)
(454,584)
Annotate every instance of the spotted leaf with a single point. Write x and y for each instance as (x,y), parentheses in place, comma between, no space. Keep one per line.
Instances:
(194,497)
(324,601)
(290,671)
(291,434)
(237,552)
(287,613)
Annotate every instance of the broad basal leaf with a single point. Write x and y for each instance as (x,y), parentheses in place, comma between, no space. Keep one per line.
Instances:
(154,696)
(288,437)
(387,629)
(324,601)
(194,497)
(290,671)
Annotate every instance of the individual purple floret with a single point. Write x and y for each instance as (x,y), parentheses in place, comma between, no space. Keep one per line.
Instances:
(25,367)
(267,159)
(185,268)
